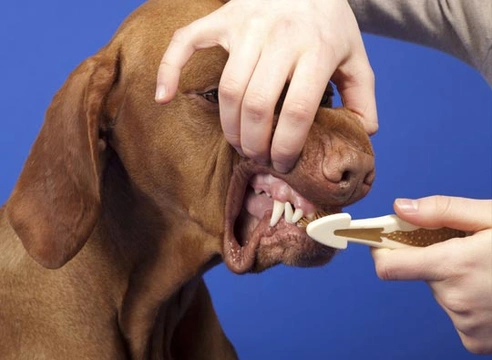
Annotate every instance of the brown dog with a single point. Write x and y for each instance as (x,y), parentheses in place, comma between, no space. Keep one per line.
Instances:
(131,202)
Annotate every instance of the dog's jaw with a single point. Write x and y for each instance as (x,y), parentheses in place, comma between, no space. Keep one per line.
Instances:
(332,172)
(252,242)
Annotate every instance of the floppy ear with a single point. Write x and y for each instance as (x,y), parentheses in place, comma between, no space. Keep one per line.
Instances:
(56,201)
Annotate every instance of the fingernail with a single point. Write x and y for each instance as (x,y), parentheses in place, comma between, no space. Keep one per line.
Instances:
(160,93)
(407,205)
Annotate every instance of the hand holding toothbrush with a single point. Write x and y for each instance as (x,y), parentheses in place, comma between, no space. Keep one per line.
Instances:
(459,270)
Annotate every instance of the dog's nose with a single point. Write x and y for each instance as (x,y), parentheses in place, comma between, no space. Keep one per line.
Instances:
(349,170)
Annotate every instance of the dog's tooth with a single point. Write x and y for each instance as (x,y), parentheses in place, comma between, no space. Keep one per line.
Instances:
(298,214)
(278,210)
(288,213)
(258,191)
(310,217)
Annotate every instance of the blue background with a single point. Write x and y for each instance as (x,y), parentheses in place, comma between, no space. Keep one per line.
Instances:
(435,138)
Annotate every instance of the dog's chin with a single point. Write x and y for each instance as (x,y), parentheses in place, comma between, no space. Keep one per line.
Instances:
(254,241)
(285,243)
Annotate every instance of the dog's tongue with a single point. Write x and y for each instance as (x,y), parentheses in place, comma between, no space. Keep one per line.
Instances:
(253,222)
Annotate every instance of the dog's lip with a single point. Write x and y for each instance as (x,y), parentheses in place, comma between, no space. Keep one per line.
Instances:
(240,258)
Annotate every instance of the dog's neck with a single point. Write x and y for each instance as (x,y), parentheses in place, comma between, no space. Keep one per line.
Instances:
(153,246)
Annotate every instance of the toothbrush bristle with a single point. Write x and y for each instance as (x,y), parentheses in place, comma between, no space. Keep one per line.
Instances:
(304,221)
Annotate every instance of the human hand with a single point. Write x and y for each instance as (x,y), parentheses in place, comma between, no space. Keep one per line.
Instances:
(271,42)
(459,271)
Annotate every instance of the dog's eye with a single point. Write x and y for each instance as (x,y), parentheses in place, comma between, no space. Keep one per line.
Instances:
(211,95)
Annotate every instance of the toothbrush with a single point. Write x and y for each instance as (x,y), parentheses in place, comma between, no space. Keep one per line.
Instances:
(385,232)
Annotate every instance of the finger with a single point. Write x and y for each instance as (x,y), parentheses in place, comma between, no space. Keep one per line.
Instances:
(451,260)
(260,100)
(445,211)
(412,263)
(201,34)
(233,84)
(356,84)
(301,103)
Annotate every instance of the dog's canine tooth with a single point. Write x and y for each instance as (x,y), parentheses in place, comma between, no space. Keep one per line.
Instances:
(298,214)
(278,210)
(258,191)
(289,212)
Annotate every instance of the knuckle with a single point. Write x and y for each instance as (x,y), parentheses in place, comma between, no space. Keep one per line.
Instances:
(283,154)
(367,73)
(362,78)
(442,205)
(287,28)
(233,139)
(230,90)
(454,302)
(297,111)
(371,75)
(371,128)
(285,159)
(475,346)
(166,61)
(383,271)
(358,73)
(257,106)
(367,78)
(330,50)
(180,35)
(285,149)
(257,153)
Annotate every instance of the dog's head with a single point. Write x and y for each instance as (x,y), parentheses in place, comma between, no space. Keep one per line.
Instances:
(104,121)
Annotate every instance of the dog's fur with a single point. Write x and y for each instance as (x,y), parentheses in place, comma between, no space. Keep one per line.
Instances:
(123,204)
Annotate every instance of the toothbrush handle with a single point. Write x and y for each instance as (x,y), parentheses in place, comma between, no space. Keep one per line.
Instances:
(392,232)
(423,237)
(403,232)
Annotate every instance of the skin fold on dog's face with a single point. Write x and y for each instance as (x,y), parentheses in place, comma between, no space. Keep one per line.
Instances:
(206,198)
(132,201)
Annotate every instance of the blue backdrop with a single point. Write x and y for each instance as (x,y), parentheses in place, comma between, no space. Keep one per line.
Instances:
(435,138)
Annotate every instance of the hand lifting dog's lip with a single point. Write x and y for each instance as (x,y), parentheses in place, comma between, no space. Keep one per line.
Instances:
(267,212)
(334,170)
(128,203)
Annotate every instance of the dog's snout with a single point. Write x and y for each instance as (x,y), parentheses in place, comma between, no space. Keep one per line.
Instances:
(349,169)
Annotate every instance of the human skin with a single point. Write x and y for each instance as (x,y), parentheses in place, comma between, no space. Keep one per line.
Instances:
(458,271)
(270,42)
(306,43)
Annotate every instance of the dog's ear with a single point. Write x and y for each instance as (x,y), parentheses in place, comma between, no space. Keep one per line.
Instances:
(56,201)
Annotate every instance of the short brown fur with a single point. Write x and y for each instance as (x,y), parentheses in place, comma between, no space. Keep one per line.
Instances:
(119,209)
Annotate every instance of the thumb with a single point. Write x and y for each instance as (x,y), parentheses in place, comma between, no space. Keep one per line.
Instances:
(446,211)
